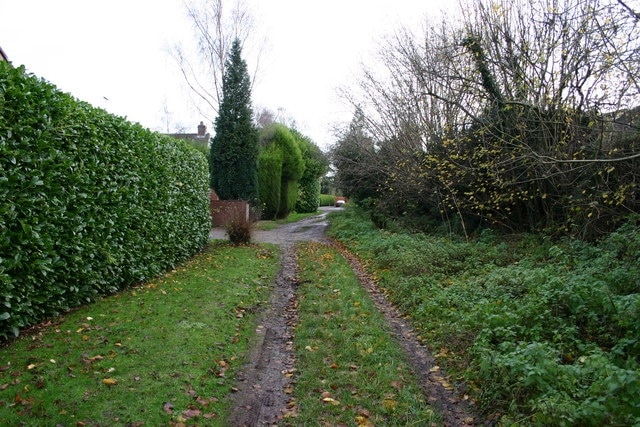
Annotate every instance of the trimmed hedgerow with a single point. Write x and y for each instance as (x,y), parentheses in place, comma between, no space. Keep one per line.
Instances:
(90,203)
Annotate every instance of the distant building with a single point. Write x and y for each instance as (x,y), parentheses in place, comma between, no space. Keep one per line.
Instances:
(202,136)
(3,56)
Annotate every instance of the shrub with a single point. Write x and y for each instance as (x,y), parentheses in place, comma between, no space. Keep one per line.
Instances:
(315,166)
(239,231)
(90,203)
(270,185)
(280,144)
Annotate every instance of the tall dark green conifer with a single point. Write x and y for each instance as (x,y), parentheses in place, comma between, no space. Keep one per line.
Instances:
(234,149)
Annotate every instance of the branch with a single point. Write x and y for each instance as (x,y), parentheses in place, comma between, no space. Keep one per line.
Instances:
(631,11)
(551,160)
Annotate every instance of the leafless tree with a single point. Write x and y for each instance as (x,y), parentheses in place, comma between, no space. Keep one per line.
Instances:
(215,26)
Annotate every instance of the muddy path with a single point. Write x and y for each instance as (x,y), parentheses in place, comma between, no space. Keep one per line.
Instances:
(262,396)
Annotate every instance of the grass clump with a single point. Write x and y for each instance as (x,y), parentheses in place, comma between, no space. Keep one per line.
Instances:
(544,332)
(163,353)
(351,372)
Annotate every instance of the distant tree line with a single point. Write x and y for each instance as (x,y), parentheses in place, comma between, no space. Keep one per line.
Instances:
(522,115)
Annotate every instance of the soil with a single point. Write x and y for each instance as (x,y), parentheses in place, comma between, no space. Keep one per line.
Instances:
(263,392)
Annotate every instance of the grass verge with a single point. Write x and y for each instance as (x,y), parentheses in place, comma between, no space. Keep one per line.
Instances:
(350,370)
(162,353)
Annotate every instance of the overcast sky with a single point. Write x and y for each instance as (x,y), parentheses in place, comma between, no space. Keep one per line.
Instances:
(114,54)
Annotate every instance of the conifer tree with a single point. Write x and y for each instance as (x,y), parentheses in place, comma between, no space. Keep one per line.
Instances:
(234,148)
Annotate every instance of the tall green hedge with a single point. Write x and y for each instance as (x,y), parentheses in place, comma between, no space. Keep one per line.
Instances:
(269,173)
(316,165)
(89,202)
(279,142)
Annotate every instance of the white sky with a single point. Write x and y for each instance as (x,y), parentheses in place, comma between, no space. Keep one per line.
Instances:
(113,54)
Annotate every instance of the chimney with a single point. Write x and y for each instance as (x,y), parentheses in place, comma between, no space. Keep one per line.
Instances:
(202,130)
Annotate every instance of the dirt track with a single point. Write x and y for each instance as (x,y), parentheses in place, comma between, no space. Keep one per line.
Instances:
(262,396)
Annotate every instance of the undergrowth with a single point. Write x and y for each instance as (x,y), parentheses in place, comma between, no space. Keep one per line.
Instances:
(544,332)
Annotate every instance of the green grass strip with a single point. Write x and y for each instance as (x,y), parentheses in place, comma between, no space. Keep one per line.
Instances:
(350,370)
(165,352)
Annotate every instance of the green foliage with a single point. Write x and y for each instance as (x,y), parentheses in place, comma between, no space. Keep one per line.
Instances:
(288,197)
(316,165)
(90,202)
(280,144)
(544,332)
(327,200)
(269,173)
(234,148)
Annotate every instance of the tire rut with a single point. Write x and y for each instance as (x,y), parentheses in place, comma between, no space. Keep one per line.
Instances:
(261,395)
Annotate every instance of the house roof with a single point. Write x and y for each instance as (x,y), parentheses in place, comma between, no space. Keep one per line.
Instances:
(202,134)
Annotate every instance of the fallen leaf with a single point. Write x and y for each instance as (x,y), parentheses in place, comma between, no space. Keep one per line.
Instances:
(31,366)
(389,404)
(362,421)
(109,381)
(202,401)
(191,413)
(168,407)
(209,415)
(331,401)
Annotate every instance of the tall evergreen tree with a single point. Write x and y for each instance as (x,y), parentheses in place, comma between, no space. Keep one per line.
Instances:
(234,148)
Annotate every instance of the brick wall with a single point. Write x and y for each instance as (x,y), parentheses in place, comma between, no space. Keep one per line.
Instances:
(223,211)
